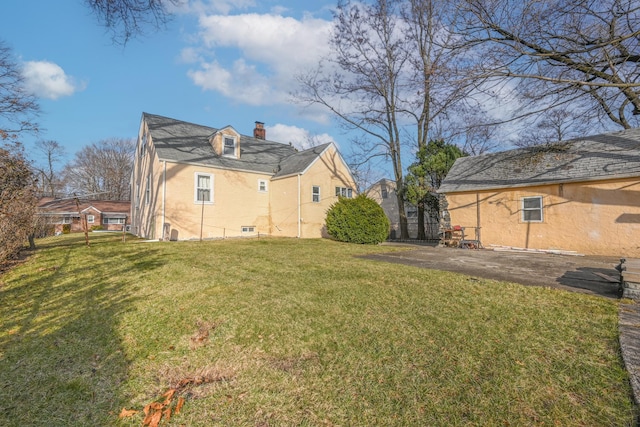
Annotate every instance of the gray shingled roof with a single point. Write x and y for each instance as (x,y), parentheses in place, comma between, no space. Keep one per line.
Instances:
(606,156)
(298,162)
(184,142)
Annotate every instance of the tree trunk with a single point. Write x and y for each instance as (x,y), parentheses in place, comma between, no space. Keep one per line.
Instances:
(32,243)
(402,217)
(421,233)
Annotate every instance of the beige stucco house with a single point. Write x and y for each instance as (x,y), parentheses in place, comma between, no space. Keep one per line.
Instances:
(191,181)
(581,195)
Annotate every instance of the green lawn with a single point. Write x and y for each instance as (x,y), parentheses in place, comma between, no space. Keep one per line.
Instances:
(282,332)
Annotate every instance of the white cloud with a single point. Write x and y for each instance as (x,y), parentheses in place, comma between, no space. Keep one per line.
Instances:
(298,137)
(241,82)
(267,51)
(281,42)
(48,80)
(190,55)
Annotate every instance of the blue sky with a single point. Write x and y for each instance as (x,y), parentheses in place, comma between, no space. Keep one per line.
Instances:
(218,63)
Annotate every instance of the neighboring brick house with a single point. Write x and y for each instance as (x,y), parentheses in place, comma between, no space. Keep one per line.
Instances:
(581,195)
(98,214)
(191,181)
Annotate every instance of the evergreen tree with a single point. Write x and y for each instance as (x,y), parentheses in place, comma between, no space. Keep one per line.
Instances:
(425,175)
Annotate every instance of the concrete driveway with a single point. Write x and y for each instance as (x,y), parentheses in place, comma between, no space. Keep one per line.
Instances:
(573,273)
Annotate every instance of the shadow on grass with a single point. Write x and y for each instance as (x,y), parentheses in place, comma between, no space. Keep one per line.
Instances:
(61,358)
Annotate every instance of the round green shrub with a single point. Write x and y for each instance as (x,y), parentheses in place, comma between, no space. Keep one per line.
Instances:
(358,220)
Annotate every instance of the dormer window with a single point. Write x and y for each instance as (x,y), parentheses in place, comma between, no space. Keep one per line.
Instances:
(226,142)
(229,148)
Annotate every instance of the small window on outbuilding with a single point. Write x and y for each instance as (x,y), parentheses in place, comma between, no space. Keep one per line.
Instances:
(532,209)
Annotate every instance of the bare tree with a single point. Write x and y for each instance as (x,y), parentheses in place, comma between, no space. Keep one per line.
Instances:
(128,18)
(102,170)
(18,108)
(392,77)
(17,202)
(52,154)
(578,54)
(362,87)
(552,126)
(478,138)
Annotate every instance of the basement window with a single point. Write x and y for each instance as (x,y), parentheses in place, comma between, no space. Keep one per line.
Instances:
(532,209)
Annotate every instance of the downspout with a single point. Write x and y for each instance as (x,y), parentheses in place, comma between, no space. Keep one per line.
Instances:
(299,213)
(478,219)
(164,194)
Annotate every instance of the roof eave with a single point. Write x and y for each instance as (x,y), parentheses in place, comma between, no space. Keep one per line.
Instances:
(539,183)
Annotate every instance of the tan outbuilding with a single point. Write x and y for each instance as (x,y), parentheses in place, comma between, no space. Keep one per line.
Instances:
(196,182)
(581,195)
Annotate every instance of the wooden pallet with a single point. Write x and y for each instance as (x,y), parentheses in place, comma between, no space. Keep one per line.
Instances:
(630,278)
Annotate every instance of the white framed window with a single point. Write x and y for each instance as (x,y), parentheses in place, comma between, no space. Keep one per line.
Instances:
(90,219)
(147,190)
(532,209)
(113,221)
(248,229)
(203,187)
(262,185)
(315,194)
(229,146)
(344,192)
(66,219)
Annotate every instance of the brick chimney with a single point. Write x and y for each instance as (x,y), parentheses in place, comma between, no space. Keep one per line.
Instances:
(259,132)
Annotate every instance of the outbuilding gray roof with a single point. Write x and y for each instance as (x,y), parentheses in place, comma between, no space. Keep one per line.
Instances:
(184,142)
(605,156)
